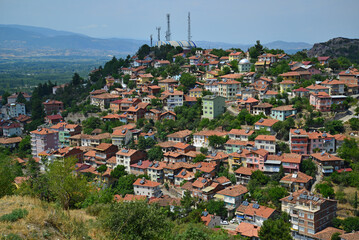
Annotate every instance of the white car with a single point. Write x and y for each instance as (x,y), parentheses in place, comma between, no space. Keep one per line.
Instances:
(234,220)
(224,222)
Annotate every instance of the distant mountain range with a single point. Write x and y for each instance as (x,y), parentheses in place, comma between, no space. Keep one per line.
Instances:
(18,41)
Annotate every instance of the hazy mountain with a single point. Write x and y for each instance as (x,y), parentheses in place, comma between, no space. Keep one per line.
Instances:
(26,41)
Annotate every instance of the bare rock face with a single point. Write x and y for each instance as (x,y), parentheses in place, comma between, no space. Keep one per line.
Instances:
(337,47)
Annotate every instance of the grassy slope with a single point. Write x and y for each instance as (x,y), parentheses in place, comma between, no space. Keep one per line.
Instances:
(46,221)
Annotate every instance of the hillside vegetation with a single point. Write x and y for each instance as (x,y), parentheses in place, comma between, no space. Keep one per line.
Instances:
(337,47)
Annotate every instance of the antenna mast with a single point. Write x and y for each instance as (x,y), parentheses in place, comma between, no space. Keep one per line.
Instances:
(151,39)
(159,33)
(168,32)
(189,27)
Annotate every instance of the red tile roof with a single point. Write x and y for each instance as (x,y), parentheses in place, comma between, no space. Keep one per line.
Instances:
(146,183)
(248,230)
(298,177)
(267,122)
(233,191)
(244,171)
(265,138)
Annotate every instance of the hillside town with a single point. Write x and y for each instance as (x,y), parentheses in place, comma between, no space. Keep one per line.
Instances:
(263,139)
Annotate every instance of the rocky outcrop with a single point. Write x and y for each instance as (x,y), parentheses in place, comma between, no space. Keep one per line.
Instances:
(337,47)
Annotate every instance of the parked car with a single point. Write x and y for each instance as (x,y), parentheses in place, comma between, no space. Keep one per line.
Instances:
(234,220)
(224,222)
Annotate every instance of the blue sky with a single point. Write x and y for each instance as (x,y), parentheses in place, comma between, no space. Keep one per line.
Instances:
(231,21)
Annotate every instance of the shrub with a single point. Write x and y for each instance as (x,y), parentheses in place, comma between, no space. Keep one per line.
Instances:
(11,236)
(15,215)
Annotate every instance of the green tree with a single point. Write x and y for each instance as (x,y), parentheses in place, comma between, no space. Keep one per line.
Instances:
(260,177)
(275,229)
(217,141)
(217,207)
(91,124)
(255,51)
(101,169)
(7,177)
(334,127)
(188,81)
(125,185)
(69,189)
(349,150)
(5,95)
(325,189)
(354,124)
(308,167)
(335,236)
(199,158)
(143,51)
(187,201)
(204,150)
(155,153)
(118,171)
(25,146)
(135,220)
(20,98)
(76,79)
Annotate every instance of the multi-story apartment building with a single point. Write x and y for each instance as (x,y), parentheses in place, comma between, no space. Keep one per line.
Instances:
(299,142)
(266,124)
(13,97)
(147,188)
(319,142)
(321,101)
(350,76)
(53,107)
(296,181)
(336,87)
(268,57)
(213,106)
(172,98)
(13,110)
(232,196)
(126,103)
(309,213)
(255,159)
(12,129)
(291,162)
(195,92)
(266,142)
(200,139)
(303,142)
(283,112)
(327,163)
(43,139)
(254,213)
(228,89)
(127,157)
(103,100)
(240,134)
(155,171)
(66,131)
(180,136)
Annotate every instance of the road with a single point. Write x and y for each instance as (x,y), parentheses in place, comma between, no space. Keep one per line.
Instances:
(350,115)
(231,226)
